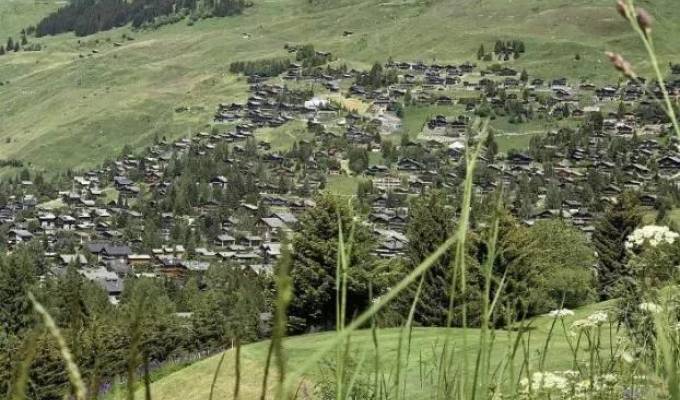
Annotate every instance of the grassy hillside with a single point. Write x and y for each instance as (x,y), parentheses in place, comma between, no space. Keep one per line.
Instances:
(69,107)
(194,381)
(16,15)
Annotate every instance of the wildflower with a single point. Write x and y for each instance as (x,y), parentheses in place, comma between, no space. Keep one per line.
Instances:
(627,357)
(545,381)
(621,64)
(650,307)
(598,318)
(582,324)
(651,234)
(561,313)
(609,379)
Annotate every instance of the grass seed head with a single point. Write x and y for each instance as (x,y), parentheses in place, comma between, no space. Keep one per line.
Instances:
(644,19)
(622,8)
(621,64)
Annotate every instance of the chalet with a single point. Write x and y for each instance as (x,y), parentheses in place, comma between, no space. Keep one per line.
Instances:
(108,280)
(108,251)
(121,182)
(139,260)
(669,165)
(66,222)
(270,252)
(72,259)
(408,164)
(648,200)
(271,225)
(219,182)
(288,218)
(19,236)
(519,159)
(47,220)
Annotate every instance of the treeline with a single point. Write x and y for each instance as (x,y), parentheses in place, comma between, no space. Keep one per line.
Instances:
(377,77)
(162,319)
(15,45)
(85,17)
(265,67)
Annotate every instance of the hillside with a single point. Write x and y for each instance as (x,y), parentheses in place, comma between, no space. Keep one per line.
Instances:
(194,381)
(68,106)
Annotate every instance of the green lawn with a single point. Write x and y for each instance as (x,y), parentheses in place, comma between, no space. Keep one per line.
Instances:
(194,381)
(416,117)
(342,185)
(69,107)
(283,137)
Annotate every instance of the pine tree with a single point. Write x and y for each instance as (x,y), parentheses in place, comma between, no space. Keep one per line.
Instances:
(524,76)
(10,44)
(17,276)
(481,52)
(498,47)
(2,50)
(491,146)
(609,238)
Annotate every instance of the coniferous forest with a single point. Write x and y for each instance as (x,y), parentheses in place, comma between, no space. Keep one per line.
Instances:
(85,17)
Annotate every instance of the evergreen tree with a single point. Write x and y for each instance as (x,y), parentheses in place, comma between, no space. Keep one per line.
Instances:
(431,223)
(491,146)
(314,262)
(358,160)
(609,238)
(2,50)
(480,52)
(17,277)
(524,76)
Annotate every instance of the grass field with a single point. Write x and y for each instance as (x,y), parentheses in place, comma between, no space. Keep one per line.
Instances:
(194,381)
(68,107)
(342,185)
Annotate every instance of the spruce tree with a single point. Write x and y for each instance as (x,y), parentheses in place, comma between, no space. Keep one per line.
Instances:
(524,76)
(480,52)
(609,238)
(314,263)
(431,223)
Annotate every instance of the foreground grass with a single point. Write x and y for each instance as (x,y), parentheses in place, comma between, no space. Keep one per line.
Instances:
(194,381)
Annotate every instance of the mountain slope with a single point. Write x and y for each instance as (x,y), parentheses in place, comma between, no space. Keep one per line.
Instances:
(68,107)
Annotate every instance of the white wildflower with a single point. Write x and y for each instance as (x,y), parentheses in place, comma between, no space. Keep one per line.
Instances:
(651,234)
(582,324)
(561,313)
(650,307)
(546,381)
(609,379)
(598,318)
(627,357)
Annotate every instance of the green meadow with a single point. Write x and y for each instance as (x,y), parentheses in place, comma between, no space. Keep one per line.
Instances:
(195,380)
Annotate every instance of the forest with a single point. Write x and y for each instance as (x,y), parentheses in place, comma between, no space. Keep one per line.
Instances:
(85,17)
